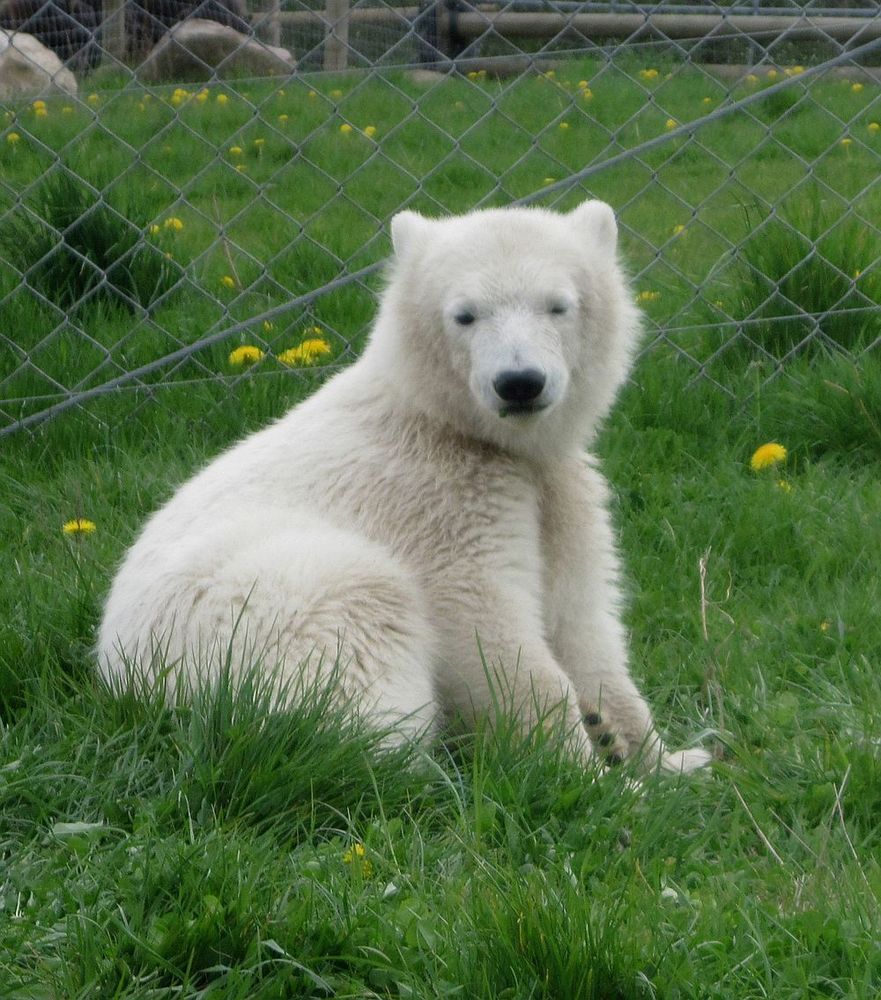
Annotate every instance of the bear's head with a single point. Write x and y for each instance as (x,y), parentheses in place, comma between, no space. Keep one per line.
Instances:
(515,326)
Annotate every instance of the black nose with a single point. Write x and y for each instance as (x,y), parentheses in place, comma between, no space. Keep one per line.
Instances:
(519,386)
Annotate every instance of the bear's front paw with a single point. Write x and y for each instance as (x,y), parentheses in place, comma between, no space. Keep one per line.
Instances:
(681,761)
(612,747)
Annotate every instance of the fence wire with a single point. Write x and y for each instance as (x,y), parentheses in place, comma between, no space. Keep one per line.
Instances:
(197,195)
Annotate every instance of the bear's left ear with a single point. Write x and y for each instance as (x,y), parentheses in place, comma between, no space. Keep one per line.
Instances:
(597,219)
(408,230)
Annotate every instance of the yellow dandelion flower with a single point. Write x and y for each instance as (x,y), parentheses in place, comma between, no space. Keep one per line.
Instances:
(202,96)
(472,75)
(587,94)
(79,526)
(874,127)
(358,852)
(306,353)
(856,87)
(678,229)
(563,126)
(235,150)
(370,131)
(142,106)
(766,456)
(846,142)
(222,99)
(670,123)
(267,326)
(857,274)
(247,354)
(173,223)
(67,109)
(824,626)
(794,70)
(41,112)
(481,73)
(751,78)
(241,168)
(583,84)
(707,100)
(648,74)
(548,180)
(259,143)
(283,118)
(312,95)
(647,296)
(772,74)
(551,74)
(345,128)
(228,281)
(12,138)
(336,94)
(37,105)
(155,230)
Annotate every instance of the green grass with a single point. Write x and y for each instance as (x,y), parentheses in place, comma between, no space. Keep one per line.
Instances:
(253,174)
(211,851)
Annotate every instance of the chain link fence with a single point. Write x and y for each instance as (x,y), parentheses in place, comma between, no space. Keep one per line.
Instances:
(196,195)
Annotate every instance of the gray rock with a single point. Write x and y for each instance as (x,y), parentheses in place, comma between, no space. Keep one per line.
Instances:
(28,68)
(197,49)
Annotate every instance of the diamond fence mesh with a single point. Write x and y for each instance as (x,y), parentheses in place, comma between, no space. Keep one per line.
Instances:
(197,195)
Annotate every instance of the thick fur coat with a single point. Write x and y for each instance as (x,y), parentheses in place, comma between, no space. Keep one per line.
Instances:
(428,520)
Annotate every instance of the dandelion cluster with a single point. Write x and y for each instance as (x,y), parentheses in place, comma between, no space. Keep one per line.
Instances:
(647,296)
(306,353)
(12,138)
(358,852)
(648,74)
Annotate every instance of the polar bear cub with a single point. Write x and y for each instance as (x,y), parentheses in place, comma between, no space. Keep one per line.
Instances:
(428,520)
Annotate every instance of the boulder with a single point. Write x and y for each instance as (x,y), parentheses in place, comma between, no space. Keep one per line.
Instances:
(197,49)
(28,68)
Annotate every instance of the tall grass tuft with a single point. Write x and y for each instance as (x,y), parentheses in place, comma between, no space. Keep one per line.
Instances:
(806,280)
(72,245)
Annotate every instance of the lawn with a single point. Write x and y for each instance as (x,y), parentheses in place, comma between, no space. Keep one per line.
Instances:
(222,851)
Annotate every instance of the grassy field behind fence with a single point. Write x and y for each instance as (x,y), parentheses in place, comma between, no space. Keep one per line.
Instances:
(219,852)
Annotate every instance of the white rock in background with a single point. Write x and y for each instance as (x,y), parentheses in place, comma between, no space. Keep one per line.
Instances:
(197,49)
(28,68)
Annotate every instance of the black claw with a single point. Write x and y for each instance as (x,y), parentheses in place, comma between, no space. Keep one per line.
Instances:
(593,719)
(605,739)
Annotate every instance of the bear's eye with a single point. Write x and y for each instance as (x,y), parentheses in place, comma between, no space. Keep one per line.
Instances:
(464,318)
(559,308)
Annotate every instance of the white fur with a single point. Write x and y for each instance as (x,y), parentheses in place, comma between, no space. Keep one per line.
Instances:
(398,523)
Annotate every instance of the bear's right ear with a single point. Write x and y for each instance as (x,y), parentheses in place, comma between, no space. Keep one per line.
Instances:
(409,229)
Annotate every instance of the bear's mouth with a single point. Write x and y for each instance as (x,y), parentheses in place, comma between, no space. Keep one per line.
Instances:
(521,409)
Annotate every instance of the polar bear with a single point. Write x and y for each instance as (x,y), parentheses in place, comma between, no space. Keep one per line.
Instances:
(428,521)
